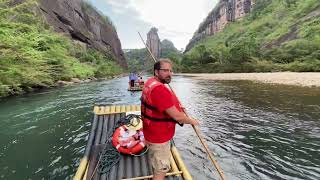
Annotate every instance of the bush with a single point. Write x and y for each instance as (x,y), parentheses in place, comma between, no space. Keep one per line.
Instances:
(4,90)
(300,49)
(108,69)
(244,49)
(312,65)
(258,8)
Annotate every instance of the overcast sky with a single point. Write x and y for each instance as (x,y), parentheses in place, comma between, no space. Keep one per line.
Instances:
(176,20)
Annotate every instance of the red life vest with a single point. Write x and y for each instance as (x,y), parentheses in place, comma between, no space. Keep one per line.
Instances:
(158,126)
(133,150)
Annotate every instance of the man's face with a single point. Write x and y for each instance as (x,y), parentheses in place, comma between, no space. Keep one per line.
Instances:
(164,74)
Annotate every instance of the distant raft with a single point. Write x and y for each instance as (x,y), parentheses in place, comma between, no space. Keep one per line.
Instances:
(135,88)
(129,167)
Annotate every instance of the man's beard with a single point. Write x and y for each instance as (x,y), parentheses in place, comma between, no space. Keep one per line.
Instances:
(166,81)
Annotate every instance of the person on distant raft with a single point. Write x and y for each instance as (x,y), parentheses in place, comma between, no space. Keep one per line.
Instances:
(140,81)
(131,79)
(160,111)
(135,78)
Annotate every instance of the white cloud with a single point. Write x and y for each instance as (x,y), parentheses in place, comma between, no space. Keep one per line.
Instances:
(176,20)
(178,15)
(119,6)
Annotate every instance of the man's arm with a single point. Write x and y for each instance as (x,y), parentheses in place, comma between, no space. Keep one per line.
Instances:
(180,116)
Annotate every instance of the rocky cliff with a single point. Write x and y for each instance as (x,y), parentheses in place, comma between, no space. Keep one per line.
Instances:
(153,42)
(167,44)
(224,12)
(84,24)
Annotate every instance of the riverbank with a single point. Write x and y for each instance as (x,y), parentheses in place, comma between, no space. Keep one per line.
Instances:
(60,83)
(78,81)
(308,79)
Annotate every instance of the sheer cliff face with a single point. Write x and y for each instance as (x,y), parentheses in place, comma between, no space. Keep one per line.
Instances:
(82,23)
(153,42)
(226,11)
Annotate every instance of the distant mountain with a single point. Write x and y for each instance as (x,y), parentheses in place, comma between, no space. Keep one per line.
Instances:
(140,59)
(167,44)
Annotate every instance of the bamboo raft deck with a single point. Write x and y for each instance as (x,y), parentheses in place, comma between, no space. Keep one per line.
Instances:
(129,167)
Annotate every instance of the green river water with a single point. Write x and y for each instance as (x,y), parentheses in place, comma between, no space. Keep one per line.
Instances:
(256,131)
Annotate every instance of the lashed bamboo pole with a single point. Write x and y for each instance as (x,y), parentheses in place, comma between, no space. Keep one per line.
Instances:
(151,176)
(196,129)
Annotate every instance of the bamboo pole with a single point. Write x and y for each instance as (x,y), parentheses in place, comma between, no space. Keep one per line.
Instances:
(147,48)
(151,176)
(196,129)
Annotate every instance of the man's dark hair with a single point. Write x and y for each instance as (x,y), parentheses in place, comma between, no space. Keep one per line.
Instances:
(157,65)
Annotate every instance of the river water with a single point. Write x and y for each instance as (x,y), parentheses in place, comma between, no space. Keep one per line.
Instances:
(256,131)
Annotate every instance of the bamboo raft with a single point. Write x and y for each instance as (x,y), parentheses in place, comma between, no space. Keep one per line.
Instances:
(135,88)
(129,167)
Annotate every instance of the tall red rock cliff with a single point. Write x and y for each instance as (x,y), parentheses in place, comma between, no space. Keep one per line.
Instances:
(153,42)
(224,12)
(84,24)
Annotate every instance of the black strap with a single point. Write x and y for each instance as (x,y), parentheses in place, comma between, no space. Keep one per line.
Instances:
(148,105)
(155,109)
(161,119)
(158,119)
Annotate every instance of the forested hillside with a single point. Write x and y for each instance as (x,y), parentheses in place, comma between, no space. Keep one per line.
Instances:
(278,35)
(33,55)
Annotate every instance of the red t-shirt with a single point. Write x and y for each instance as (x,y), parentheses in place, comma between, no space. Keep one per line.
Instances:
(157,131)
(162,98)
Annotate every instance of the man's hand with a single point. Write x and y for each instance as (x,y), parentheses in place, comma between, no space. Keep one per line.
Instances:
(183,108)
(194,122)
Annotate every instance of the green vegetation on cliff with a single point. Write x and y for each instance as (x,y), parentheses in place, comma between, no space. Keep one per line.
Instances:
(32,55)
(138,60)
(278,35)
(175,57)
